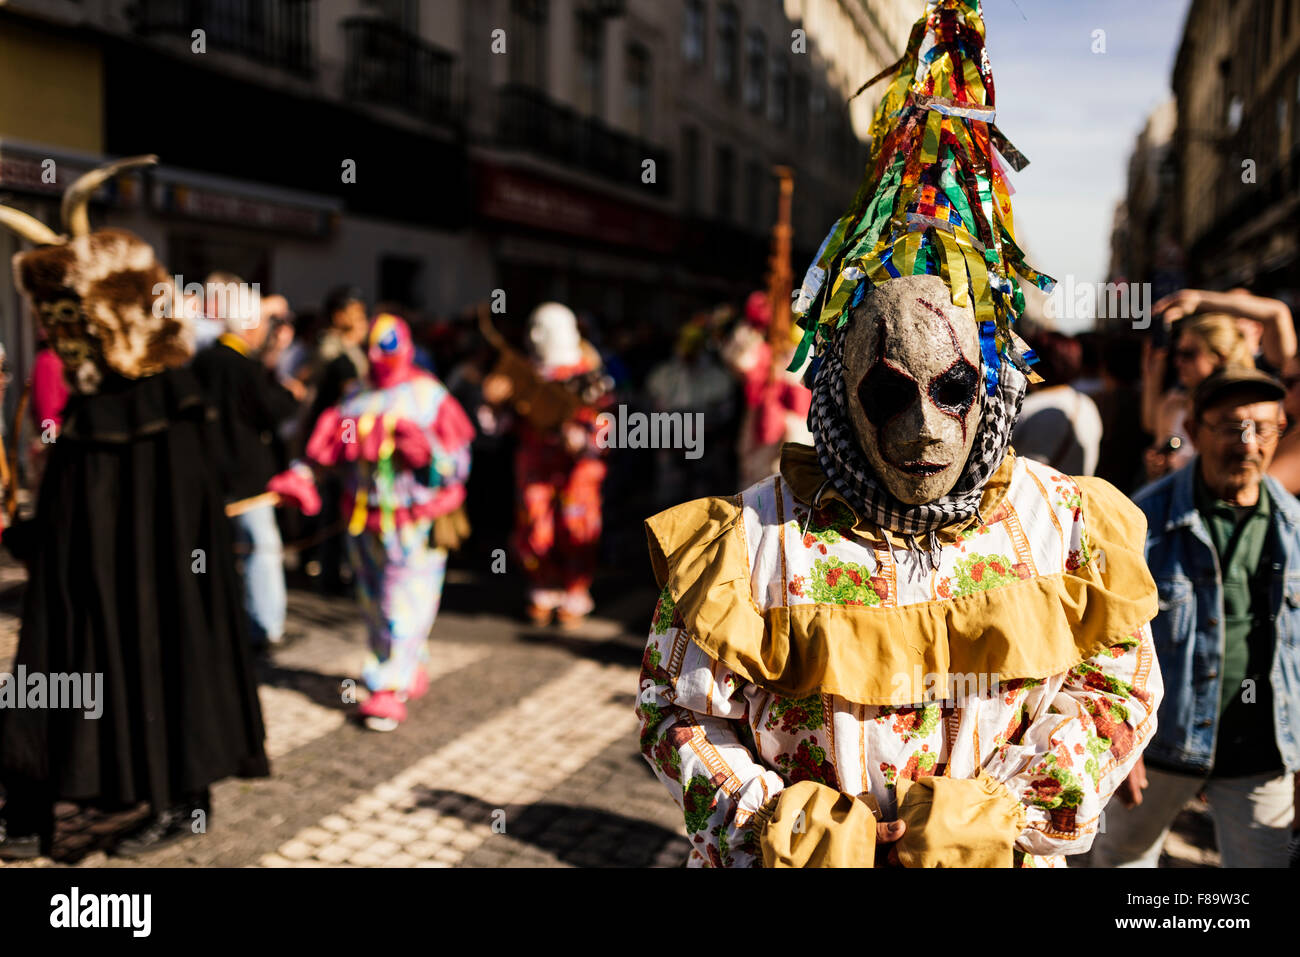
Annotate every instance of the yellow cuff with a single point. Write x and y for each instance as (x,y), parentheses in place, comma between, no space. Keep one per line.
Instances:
(958,822)
(812,825)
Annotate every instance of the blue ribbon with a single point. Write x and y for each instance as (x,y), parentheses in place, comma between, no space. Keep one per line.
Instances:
(989,352)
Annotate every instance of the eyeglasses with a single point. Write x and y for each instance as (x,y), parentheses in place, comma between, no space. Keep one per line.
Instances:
(1248,429)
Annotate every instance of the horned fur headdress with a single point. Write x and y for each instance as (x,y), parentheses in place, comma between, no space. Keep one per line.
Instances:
(94,294)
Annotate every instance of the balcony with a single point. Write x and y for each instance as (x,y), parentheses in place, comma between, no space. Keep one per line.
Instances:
(530,121)
(388,66)
(277,33)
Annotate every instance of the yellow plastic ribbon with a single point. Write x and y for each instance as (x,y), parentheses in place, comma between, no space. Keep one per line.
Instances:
(954,269)
(357,523)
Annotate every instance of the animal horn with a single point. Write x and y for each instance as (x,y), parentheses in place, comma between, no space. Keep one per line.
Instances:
(28,227)
(75,218)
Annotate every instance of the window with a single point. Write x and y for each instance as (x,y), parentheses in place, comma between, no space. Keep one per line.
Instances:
(591,63)
(693,34)
(755,69)
(638,89)
(399,280)
(754,211)
(691,171)
(778,108)
(405,13)
(801,100)
(725,180)
(725,66)
(526,42)
(818,121)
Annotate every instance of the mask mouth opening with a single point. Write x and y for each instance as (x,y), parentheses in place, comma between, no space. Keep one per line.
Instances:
(922,469)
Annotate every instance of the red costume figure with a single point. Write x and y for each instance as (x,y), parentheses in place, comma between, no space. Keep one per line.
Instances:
(776,400)
(559,472)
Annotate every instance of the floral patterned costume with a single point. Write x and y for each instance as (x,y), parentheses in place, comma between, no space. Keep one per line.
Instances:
(802,650)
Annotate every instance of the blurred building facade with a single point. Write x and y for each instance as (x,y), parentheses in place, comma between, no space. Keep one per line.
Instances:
(616,154)
(1145,242)
(1237,144)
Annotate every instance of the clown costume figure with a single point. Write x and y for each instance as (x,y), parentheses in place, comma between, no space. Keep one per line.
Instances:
(559,471)
(909,646)
(403,445)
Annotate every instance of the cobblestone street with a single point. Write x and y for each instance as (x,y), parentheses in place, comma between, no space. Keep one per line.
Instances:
(522,754)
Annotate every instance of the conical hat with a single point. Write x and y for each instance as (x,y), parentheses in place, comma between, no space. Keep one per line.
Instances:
(935,200)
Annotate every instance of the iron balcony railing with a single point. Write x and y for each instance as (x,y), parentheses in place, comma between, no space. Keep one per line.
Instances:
(277,33)
(387,65)
(529,120)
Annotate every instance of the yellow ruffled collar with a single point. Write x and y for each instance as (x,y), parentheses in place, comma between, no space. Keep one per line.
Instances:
(1034,628)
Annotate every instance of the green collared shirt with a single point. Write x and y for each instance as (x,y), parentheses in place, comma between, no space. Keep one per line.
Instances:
(1245,741)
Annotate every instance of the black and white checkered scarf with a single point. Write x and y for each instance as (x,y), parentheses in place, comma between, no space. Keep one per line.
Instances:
(851,475)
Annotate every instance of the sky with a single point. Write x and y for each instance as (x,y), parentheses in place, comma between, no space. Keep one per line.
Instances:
(1076,114)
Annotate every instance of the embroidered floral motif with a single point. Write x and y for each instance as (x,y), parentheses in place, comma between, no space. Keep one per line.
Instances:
(837,582)
(980,573)
(697,802)
(663,618)
(913,723)
(795,714)
(1053,786)
(828,525)
(808,763)
(921,764)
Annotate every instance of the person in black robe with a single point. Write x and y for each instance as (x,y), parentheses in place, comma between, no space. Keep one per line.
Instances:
(130,566)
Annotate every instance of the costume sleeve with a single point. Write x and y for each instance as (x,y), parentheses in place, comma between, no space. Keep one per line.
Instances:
(452,434)
(273,403)
(1087,731)
(695,735)
(325,444)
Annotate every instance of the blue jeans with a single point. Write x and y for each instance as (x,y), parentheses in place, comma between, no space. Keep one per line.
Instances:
(1252,819)
(264,597)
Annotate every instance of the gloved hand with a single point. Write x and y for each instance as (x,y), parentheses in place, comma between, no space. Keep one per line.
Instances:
(409,441)
(296,487)
(412,444)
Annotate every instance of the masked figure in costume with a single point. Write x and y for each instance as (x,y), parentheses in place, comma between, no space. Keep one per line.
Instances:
(403,445)
(559,471)
(776,401)
(910,645)
(130,564)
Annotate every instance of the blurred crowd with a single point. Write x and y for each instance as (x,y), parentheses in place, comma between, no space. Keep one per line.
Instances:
(1111,404)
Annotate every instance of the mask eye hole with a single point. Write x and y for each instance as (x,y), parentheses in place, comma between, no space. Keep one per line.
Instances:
(954,389)
(885,392)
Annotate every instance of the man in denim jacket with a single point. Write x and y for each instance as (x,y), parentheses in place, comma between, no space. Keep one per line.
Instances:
(1223,544)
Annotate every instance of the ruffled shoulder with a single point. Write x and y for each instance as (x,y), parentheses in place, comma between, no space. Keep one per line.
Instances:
(900,655)
(697,550)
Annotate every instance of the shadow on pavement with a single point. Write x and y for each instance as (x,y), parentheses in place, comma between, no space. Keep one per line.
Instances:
(578,836)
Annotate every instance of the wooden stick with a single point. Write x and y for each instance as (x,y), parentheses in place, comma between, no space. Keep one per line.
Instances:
(248,504)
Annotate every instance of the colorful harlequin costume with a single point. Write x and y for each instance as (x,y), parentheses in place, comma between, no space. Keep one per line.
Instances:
(404,445)
(908,621)
(559,473)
